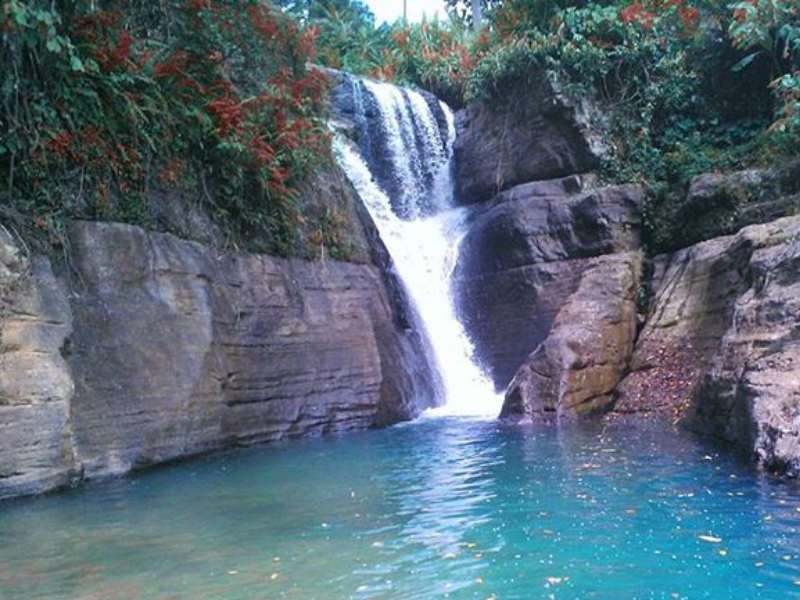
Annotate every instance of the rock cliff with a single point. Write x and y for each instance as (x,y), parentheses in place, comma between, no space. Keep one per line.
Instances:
(720,350)
(549,284)
(149,348)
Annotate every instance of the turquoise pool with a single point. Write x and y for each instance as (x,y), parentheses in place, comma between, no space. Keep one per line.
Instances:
(440,508)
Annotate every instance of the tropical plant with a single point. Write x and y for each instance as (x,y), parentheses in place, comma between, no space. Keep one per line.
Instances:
(102,101)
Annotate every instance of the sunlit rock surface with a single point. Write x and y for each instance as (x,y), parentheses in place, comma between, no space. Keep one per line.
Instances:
(574,371)
(36,388)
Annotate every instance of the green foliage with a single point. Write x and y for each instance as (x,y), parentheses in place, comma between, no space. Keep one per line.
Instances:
(772,27)
(102,104)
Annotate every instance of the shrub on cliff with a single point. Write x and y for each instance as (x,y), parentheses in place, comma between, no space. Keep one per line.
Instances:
(103,101)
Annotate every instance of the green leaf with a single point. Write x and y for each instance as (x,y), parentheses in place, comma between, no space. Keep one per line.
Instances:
(54,45)
(20,15)
(76,64)
(744,62)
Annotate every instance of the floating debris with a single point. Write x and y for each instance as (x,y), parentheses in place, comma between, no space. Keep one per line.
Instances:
(710,539)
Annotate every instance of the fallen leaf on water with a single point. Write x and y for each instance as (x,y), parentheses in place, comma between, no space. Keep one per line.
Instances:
(710,538)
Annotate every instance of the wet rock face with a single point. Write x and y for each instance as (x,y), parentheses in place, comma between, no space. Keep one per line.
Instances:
(176,349)
(524,256)
(721,348)
(574,371)
(534,133)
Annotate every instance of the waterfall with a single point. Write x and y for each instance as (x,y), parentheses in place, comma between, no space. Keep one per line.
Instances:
(401,170)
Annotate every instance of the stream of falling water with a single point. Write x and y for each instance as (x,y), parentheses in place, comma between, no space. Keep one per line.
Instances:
(422,231)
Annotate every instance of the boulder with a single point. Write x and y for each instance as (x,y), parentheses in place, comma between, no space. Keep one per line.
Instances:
(574,371)
(524,256)
(534,132)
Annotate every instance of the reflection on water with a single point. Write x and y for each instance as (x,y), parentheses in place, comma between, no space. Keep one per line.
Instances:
(443,508)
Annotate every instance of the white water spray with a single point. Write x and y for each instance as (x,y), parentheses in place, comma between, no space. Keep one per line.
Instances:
(424,249)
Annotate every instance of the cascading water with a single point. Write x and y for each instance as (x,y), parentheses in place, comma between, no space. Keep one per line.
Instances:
(407,140)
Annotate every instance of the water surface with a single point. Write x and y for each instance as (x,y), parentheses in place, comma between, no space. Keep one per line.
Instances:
(443,508)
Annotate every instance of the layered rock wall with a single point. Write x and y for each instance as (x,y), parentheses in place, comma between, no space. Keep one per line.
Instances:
(152,348)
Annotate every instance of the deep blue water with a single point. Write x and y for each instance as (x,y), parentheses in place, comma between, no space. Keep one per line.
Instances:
(443,508)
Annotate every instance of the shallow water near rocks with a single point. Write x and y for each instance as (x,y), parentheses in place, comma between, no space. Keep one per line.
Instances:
(440,508)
